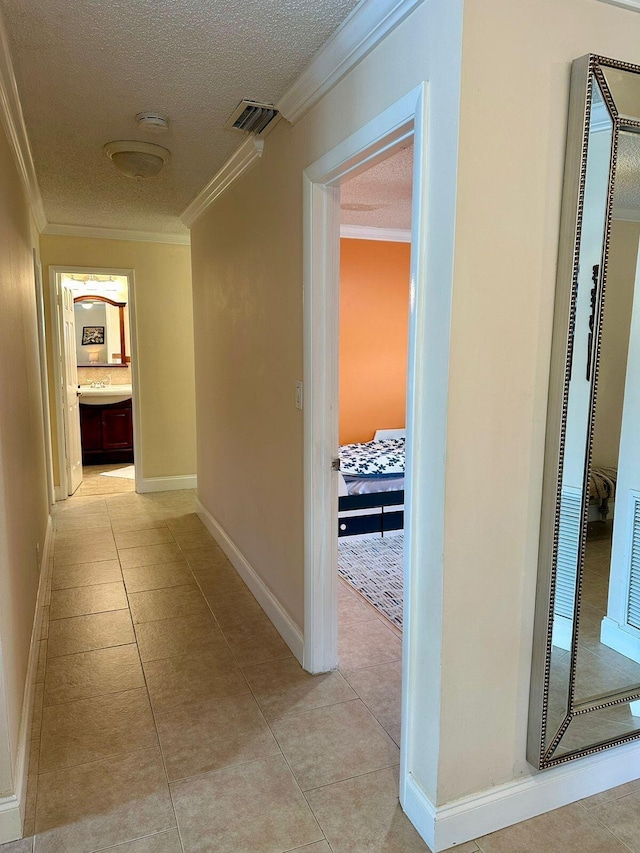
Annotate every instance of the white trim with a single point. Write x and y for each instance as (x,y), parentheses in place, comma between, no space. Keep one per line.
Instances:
(371,232)
(562,636)
(13,121)
(10,819)
(624,639)
(369,23)
(58,407)
(241,160)
(166,484)
(391,130)
(12,808)
(94,232)
(633,5)
(479,814)
(320,335)
(55,272)
(44,376)
(282,621)
(367,146)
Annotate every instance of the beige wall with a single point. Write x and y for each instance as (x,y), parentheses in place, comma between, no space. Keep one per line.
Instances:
(164,318)
(248,272)
(247,268)
(23,486)
(516,65)
(471,711)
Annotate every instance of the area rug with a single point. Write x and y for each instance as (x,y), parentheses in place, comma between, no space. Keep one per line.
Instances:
(374,568)
(128,473)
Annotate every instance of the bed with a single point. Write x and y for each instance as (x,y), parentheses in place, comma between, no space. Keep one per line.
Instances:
(602,493)
(371,491)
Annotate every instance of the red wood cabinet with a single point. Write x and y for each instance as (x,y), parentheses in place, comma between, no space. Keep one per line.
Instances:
(107,433)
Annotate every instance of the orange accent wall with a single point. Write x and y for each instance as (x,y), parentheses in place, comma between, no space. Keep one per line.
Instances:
(374,321)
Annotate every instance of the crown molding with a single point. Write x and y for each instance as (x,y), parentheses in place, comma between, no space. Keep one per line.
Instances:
(369,23)
(116,234)
(634,5)
(13,120)
(241,160)
(369,232)
(359,33)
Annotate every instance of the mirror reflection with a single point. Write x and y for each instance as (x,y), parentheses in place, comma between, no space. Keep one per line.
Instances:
(578,421)
(100,328)
(589,606)
(101,320)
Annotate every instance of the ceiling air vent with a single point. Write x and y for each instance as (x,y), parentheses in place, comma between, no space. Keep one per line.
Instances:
(254,118)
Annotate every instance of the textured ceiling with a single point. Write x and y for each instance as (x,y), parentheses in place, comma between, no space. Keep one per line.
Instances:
(384,191)
(85,69)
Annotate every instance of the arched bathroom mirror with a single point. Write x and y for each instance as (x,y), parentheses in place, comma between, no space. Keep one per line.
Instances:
(101,338)
(585,691)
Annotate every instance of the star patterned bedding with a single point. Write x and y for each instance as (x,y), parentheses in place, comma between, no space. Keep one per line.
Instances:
(381,457)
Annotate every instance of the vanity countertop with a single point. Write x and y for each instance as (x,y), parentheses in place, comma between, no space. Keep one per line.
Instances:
(104,396)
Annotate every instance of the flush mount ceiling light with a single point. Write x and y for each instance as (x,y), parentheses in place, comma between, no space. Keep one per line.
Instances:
(137,159)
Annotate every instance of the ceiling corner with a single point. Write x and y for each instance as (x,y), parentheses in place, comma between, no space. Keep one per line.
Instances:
(367,25)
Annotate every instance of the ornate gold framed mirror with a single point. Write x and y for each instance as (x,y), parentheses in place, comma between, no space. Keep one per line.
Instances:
(585,691)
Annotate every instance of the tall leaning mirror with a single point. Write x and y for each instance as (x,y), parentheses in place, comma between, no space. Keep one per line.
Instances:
(585,694)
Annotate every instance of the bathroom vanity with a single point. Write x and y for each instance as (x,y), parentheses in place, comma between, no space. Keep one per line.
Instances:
(107,430)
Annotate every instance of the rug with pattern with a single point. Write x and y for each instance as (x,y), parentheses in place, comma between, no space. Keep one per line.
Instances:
(374,568)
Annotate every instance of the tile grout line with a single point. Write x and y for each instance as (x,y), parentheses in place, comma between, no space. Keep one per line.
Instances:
(155,724)
(153,712)
(140,838)
(250,689)
(260,710)
(604,825)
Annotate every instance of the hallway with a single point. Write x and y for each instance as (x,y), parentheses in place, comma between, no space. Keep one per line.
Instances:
(168,708)
(171,718)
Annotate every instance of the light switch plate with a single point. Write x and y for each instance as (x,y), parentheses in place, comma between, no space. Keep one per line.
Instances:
(298,395)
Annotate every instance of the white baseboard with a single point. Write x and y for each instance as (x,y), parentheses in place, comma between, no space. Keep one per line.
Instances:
(59,494)
(562,632)
(10,819)
(615,636)
(477,815)
(284,624)
(12,809)
(166,484)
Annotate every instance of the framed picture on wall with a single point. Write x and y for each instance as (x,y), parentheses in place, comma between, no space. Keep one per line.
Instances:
(92,335)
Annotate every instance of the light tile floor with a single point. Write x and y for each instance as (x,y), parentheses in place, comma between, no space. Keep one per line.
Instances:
(600,670)
(171,718)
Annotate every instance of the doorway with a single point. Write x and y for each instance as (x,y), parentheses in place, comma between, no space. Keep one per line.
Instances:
(375,274)
(96,376)
(433,212)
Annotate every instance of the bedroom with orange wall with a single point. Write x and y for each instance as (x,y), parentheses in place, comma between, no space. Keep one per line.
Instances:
(374,314)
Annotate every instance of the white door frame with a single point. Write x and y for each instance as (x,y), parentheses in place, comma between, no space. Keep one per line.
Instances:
(374,142)
(55,273)
(44,379)
(427,395)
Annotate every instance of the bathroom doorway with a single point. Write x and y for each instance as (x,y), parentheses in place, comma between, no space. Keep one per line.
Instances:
(97,416)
